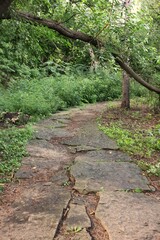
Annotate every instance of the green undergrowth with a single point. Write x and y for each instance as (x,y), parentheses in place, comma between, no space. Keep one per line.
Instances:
(43,96)
(137,143)
(36,97)
(12,148)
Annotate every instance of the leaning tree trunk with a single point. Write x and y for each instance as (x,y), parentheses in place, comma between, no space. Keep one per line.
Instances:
(125,91)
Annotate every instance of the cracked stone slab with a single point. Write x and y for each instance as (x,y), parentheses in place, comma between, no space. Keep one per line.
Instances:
(42,156)
(61,116)
(53,122)
(82,235)
(91,136)
(98,176)
(60,178)
(49,133)
(129,216)
(81,149)
(36,214)
(77,217)
(46,150)
(103,156)
(24,173)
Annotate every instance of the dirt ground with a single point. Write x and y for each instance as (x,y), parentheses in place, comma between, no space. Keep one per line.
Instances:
(137,118)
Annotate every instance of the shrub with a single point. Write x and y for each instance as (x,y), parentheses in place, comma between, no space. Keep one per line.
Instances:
(42,96)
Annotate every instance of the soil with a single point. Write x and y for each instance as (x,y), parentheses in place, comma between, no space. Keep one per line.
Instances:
(137,118)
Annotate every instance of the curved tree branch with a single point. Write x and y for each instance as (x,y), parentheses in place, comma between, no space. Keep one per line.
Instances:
(134,75)
(60,28)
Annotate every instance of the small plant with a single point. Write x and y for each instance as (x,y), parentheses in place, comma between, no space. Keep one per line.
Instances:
(75,229)
(66,183)
(138,190)
(12,149)
(135,143)
(141,144)
(151,169)
(1,187)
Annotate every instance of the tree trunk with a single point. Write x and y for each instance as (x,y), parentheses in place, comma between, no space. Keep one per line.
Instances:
(94,62)
(4,6)
(125,81)
(125,91)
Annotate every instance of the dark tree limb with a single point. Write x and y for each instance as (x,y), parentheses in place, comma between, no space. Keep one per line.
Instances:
(134,75)
(60,28)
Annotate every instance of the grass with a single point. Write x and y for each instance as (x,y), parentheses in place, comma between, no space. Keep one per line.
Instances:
(43,96)
(137,132)
(12,149)
(142,143)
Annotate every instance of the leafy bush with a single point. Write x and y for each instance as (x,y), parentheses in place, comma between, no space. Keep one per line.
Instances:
(152,169)
(134,143)
(43,96)
(12,148)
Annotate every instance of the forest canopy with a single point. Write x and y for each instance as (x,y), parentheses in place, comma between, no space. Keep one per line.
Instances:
(35,33)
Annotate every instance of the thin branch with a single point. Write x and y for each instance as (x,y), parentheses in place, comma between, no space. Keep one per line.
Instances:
(67,20)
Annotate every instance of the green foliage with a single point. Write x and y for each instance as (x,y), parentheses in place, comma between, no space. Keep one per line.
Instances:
(12,148)
(137,143)
(47,95)
(138,190)
(75,229)
(24,51)
(152,169)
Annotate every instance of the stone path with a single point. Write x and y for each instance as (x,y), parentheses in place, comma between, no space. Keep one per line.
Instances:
(75,184)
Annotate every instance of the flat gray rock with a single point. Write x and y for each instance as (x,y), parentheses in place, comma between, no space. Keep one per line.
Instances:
(77,217)
(42,156)
(91,136)
(53,123)
(82,235)
(60,178)
(46,150)
(37,213)
(129,216)
(64,115)
(98,176)
(48,133)
(103,156)
(24,173)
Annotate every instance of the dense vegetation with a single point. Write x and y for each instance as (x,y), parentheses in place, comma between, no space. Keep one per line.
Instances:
(45,68)
(137,132)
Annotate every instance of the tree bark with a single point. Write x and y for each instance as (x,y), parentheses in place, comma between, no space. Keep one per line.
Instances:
(4,8)
(60,28)
(125,91)
(94,62)
(125,81)
(134,75)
